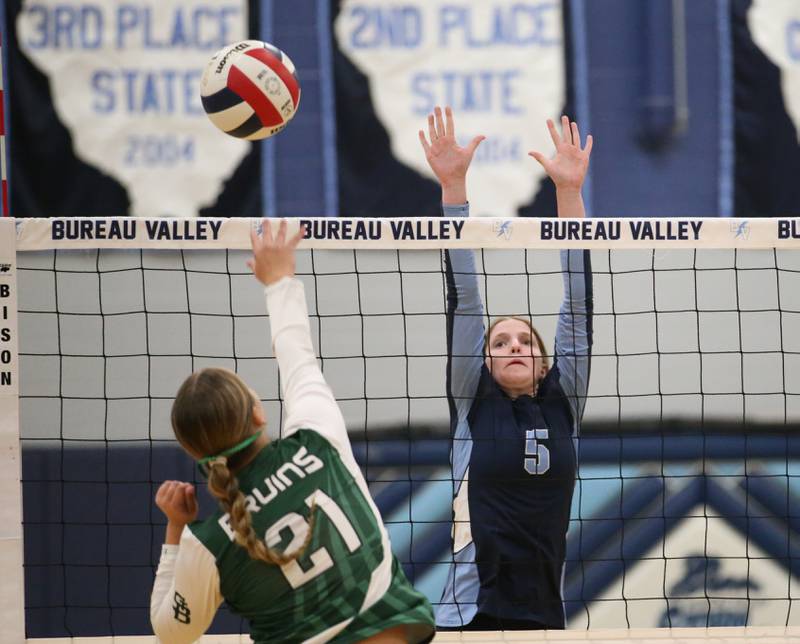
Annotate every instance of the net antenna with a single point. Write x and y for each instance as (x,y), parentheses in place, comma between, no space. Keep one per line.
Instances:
(4,115)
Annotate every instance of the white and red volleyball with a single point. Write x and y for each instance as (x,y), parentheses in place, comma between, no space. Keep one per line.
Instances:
(250,90)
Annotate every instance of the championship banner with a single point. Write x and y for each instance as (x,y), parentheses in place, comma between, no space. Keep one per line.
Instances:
(766,67)
(775,29)
(499,64)
(414,233)
(125,82)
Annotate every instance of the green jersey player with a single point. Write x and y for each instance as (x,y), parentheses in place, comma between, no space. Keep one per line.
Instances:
(297,547)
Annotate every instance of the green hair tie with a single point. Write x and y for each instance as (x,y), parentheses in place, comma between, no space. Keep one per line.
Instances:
(232,450)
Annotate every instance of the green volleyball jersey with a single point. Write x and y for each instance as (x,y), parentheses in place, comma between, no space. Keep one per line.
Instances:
(346,584)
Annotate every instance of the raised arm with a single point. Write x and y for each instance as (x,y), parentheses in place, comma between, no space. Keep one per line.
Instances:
(465,331)
(573,346)
(568,169)
(308,399)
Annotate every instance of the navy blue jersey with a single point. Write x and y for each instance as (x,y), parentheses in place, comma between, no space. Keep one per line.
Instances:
(514,460)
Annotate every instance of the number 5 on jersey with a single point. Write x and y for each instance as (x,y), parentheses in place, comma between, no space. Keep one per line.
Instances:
(538,456)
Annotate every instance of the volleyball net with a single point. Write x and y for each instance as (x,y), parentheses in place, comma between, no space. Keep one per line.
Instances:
(685,510)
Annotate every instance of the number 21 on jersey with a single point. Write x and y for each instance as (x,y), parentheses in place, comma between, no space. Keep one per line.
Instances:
(537,456)
(320,559)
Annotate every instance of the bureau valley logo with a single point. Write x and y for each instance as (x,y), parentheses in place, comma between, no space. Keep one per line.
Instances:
(498,63)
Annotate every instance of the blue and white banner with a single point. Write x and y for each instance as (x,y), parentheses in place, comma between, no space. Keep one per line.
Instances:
(766,95)
(704,572)
(125,82)
(775,29)
(499,64)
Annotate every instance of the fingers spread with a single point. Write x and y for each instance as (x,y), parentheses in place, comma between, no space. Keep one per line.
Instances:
(539,157)
(425,145)
(297,237)
(475,143)
(589,143)
(431,128)
(576,135)
(566,135)
(449,128)
(440,131)
(553,132)
(281,238)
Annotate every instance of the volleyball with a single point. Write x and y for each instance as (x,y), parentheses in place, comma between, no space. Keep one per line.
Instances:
(250,90)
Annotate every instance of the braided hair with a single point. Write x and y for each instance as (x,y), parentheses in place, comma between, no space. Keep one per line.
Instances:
(213,411)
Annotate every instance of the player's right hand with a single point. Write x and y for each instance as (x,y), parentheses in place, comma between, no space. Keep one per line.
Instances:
(177,501)
(273,257)
(448,160)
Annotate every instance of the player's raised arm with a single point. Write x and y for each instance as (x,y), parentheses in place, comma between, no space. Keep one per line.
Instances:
(309,401)
(567,169)
(450,162)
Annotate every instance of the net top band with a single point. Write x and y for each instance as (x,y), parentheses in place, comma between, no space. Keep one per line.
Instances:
(412,233)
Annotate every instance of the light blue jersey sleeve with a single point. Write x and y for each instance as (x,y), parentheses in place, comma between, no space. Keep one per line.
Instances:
(465,327)
(573,344)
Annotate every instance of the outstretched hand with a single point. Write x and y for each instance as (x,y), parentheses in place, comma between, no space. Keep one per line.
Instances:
(273,257)
(448,160)
(568,167)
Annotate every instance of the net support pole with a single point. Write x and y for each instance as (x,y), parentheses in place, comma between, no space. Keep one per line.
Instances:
(12,595)
(4,115)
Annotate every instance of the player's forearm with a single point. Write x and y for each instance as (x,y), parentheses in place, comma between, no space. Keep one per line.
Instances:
(186,592)
(172,536)
(303,384)
(573,330)
(291,332)
(454,192)
(465,317)
(463,295)
(161,613)
(569,202)
(576,271)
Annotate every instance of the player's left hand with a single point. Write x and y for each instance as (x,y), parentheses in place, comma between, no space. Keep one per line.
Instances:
(177,501)
(568,167)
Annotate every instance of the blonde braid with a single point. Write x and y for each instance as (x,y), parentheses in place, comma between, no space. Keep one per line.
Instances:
(225,487)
